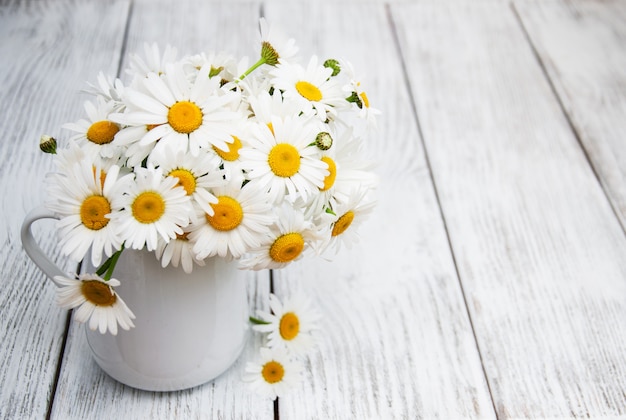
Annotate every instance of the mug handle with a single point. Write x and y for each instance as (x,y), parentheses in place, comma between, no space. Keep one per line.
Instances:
(31,246)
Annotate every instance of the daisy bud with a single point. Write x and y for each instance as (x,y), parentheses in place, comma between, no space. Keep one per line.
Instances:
(333,64)
(324,141)
(48,144)
(269,54)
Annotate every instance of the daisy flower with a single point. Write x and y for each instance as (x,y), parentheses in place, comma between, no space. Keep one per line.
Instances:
(274,375)
(96,301)
(178,251)
(281,160)
(96,134)
(290,324)
(276,47)
(239,222)
(346,219)
(358,97)
(265,106)
(229,158)
(154,62)
(312,87)
(223,66)
(196,174)
(153,205)
(345,170)
(82,197)
(290,236)
(108,89)
(182,115)
(128,138)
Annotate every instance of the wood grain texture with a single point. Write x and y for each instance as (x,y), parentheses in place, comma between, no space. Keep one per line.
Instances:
(47,50)
(395,341)
(540,253)
(581,44)
(190,27)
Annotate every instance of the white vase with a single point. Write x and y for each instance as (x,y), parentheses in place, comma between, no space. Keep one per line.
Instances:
(189,328)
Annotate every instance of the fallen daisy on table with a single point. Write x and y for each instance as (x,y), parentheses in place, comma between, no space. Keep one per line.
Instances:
(96,301)
(274,374)
(289,325)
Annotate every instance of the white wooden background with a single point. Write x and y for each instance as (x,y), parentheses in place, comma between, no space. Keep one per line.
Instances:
(490,281)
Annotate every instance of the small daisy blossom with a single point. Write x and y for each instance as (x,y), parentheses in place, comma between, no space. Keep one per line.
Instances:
(109,90)
(222,65)
(312,87)
(346,171)
(96,301)
(82,198)
(276,47)
(239,222)
(96,134)
(290,238)
(196,174)
(281,159)
(356,94)
(154,62)
(178,251)
(274,375)
(266,106)
(290,324)
(347,217)
(152,206)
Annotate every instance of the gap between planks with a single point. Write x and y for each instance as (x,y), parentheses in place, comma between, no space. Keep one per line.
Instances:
(567,116)
(407,82)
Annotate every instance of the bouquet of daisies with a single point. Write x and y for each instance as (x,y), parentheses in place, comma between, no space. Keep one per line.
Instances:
(204,156)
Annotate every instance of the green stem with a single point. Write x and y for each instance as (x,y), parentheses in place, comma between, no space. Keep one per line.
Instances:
(253,68)
(258,321)
(109,265)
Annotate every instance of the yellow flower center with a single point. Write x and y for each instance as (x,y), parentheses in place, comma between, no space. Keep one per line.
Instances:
(284,160)
(289,326)
(184,117)
(309,91)
(102,132)
(287,247)
(148,207)
(233,150)
(98,293)
(273,372)
(329,181)
(343,223)
(228,214)
(364,99)
(93,210)
(186,179)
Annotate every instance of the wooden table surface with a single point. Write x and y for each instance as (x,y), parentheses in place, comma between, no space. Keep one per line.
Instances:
(490,282)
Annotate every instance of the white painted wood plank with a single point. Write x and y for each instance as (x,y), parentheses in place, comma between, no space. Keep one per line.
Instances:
(540,253)
(396,341)
(47,49)
(84,390)
(582,45)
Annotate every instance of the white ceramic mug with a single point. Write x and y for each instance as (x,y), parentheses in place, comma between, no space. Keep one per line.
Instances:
(189,328)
